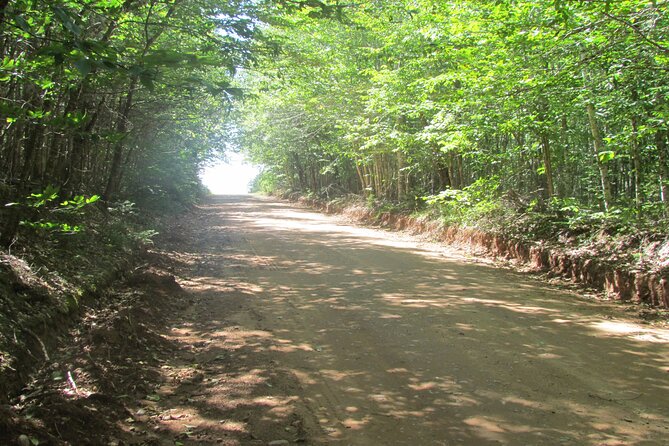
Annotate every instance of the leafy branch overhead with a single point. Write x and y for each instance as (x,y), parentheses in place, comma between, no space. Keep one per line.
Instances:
(546,100)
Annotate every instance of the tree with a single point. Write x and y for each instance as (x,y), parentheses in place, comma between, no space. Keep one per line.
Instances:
(551,100)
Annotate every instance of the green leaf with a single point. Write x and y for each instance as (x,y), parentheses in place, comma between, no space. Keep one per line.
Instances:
(36,114)
(146,79)
(166,58)
(606,156)
(22,23)
(109,3)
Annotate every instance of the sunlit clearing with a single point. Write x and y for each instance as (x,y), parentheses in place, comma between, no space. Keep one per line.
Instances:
(229,178)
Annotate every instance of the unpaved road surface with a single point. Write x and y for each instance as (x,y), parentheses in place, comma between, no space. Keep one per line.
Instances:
(327,333)
(292,327)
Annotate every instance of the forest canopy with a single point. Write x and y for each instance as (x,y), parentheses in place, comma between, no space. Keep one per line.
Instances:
(544,105)
(110,96)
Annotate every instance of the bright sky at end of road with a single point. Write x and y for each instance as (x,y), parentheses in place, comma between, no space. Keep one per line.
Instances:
(229,178)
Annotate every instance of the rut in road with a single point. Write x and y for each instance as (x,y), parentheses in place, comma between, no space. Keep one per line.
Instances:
(347,335)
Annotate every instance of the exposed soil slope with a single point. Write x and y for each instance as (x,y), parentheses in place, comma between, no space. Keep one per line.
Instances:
(289,326)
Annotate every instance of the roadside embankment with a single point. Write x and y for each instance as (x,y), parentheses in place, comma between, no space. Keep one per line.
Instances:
(37,306)
(626,283)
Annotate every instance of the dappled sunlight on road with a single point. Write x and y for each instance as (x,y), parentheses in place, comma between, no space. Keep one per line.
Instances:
(632,331)
(378,338)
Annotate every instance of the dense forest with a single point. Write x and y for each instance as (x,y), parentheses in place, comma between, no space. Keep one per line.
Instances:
(549,106)
(118,99)
(472,108)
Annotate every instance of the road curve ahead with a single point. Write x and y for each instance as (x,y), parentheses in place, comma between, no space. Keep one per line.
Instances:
(378,338)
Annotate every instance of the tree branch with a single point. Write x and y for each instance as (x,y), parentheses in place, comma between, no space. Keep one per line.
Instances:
(637,31)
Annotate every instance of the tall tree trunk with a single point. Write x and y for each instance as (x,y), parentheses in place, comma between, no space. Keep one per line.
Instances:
(113,182)
(453,171)
(401,193)
(377,176)
(548,165)
(599,148)
(461,171)
(661,144)
(114,179)
(361,177)
(369,179)
(636,159)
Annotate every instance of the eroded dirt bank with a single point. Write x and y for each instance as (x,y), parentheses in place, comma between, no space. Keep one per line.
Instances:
(627,283)
(291,327)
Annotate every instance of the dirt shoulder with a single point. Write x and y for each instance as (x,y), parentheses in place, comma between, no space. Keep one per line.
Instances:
(253,322)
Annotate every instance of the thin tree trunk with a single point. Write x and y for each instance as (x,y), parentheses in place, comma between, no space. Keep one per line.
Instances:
(369,179)
(661,144)
(114,179)
(548,165)
(599,147)
(113,182)
(400,176)
(361,177)
(377,176)
(461,171)
(636,159)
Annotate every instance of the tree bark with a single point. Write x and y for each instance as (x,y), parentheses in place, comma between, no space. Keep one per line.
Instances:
(548,165)
(361,177)
(113,182)
(661,144)
(114,178)
(3,6)
(401,193)
(599,147)
(636,159)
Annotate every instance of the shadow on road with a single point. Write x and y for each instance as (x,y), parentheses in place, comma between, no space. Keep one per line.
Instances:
(310,330)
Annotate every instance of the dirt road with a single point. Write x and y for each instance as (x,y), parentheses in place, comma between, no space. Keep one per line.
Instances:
(353,336)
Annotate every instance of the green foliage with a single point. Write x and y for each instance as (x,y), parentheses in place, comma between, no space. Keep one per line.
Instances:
(474,205)
(128,99)
(393,100)
(37,200)
(123,227)
(267,182)
(48,215)
(534,99)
